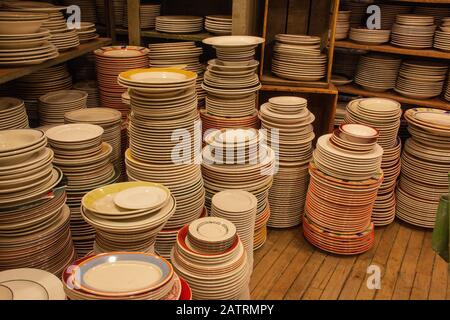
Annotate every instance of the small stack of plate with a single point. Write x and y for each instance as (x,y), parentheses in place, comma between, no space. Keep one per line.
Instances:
(421,79)
(369,36)
(212,122)
(179,24)
(377,73)
(389,12)
(413,31)
(87,32)
(298,57)
(343,25)
(425,166)
(223,274)
(62,37)
(287,126)
(358,12)
(147,15)
(127,216)
(30,284)
(87,7)
(122,276)
(91,88)
(110,61)
(218,24)
(442,37)
(439,13)
(13,114)
(53,105)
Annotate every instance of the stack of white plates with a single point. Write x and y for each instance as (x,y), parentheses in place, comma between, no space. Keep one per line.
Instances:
(13,114)
(413,31)
(179,24)
(442,37)
(147,15)
(218,24)
(377,73)
(87,7)
(91,88)
(87,32)
(127,216)
(222,275)
(53,105)
(390,12)
(439,13)
(421,79)
(369,36)
(298,57)
(343,24)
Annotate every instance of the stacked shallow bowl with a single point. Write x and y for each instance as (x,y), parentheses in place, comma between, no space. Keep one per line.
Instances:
(34,223)
(218,24)
(413,31)
(421,79)
(147,15)
(53,105)
(210,121)
(425,166)
(442,36)
(127,216)
(85,161)
(179,24)
(298,57)
(287,126)
(384,115)
(110,61)
(343,25)
(369,36)
(13,114)
(377,73)
(221,272)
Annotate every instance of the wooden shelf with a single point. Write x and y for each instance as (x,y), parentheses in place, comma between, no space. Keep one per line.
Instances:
(438,102)
(270,79)
(331,89)
(8,74)
(424,1)
(387,48)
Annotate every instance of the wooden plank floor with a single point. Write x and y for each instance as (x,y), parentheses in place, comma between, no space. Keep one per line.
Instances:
(288,267)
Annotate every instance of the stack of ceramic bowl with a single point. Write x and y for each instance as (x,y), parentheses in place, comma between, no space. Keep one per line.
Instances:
(179,24)
(358,12)
(343,25)
(110,61)
(213,122)
(389,12)
(109,120)
(425,166)
(413,31)
(174,54)
(13,114)
(30,284)
(32,86)
(22,40)
(442,36)
(288,130)
(87,32)
(384,115)
(127,216)
(218,24)
(85,161)
(122,276)
(53,105)
(147,15)
(369,36)
(237,159)
(33,212)
(298,57)
(421,79)
(87,7)
(439,13)
(220,272)
(91,88)
(377,73)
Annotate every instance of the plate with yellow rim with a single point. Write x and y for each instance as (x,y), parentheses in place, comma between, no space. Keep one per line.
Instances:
(157,76)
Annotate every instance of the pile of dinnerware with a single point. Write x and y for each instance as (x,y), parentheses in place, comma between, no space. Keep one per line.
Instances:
(30,284)
(442,36)
(218,24)
(439,13)
(342,25)
(298,57)
(127,216)
(177,54)
(13,114)
(33,213)
(358,13)
(287,126)
(377,72)
(23,40)
(123,276)
(179,24)
(110,61)
(421,79)
(389,12)
(87,8)
(110,120)
(384,115)
(238,159)
(32,86)
(53,105)
(369,36)
(213,122)
(413,31)
(147,15)
(87,32)
(221,272)
(231,80)
(91,88)
(85,161)
(425,166)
